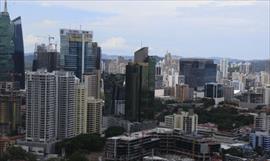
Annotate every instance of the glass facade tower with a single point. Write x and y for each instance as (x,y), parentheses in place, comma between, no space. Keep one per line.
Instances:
(6,47)
(78,53)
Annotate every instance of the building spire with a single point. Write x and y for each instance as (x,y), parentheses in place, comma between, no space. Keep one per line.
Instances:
(5,9)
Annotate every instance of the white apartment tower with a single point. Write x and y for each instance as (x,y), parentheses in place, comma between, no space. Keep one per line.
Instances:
(65,82)
(41,107)
(224,66)
(50,102)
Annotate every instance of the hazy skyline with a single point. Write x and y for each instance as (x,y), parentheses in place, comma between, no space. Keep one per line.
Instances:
(187,28)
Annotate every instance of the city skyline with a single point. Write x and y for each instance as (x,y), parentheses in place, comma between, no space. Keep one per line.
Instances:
(190,29)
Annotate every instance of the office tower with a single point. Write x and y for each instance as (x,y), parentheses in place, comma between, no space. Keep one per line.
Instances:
(224,66)
(140,85)
(182,92)
(262,122)
(92,83)
(94,115)
(185,121)
(245,67)
(10,106)
(65,89)
(7,48)
(214,91)
(80,108)
(267,95)
(50,102)
(228,93)
(197,72)
(11,49)
(18,56)
(41,107)
(45,57)
(78,53)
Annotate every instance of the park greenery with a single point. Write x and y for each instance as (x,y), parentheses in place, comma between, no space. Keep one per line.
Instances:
(225,115)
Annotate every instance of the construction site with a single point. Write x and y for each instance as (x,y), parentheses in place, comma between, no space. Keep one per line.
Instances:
(159,142)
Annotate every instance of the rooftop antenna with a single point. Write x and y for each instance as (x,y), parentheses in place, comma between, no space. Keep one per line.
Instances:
(5,9)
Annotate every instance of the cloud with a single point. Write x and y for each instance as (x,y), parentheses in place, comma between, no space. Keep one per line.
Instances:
(30,40)
(114,43)
(46,23)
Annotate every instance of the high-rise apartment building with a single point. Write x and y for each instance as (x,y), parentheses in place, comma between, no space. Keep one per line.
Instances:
(80,108)
(140,86)
(267,95)
(94,115)
(45,57)
(50,101)
(197,72)
(65,89)
(10,107)
(41,107)
(224,66)
(11,49)
(78,53)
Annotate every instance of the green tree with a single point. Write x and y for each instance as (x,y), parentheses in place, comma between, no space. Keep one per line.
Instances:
(17,153)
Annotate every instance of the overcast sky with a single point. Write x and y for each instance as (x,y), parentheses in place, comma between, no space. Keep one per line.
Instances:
(236,29)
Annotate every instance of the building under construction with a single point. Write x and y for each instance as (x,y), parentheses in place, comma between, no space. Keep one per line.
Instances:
(159,141)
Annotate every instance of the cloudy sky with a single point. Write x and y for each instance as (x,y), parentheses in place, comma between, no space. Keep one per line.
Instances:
(236,29)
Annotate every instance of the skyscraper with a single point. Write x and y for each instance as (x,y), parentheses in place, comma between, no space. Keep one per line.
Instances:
(140,84)
(78,53)
(11,49)
(197,72)
(18,56)
(6,46)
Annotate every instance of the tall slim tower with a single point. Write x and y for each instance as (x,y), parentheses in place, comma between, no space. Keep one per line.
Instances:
(140,84)
(6,46)
(11,49)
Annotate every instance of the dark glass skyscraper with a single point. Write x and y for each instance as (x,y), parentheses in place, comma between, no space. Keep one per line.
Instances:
(18,56)
(140,85)
(78,53)
(197,72)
